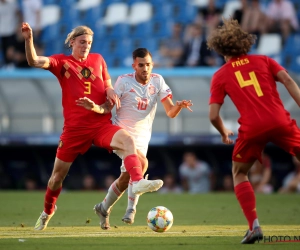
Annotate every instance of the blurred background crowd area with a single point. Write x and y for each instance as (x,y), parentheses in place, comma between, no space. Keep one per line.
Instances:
(196,169)
(185,152)
(173,30)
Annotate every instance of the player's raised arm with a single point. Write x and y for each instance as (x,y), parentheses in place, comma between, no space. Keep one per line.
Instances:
(290,85)
(32,58)
(173,110)
(88,104)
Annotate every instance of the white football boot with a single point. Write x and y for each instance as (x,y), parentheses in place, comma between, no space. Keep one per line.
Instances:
(145,186)
(43,220)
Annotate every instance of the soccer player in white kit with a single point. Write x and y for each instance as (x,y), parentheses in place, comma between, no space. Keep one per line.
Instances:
(139,93)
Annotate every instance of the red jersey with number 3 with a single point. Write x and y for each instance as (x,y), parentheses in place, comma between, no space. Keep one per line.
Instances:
(78,79)
(250,82)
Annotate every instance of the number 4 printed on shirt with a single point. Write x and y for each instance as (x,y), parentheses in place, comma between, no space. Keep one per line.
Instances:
(253,81)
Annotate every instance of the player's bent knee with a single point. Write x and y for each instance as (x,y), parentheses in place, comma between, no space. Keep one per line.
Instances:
(57,178)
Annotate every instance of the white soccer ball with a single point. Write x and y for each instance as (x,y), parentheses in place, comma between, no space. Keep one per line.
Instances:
(160,219)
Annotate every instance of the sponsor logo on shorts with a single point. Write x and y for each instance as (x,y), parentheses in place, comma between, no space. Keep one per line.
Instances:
(60,144)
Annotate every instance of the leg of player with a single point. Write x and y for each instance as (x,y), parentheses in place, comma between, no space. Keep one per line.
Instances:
(124,142)
(59,173)
(134,198)
(246,197)
(114,193)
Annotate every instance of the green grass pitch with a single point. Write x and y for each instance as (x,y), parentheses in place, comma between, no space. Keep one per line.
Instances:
(201,221)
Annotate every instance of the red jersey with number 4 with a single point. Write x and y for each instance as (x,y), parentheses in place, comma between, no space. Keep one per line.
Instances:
(78,79)
(250,82)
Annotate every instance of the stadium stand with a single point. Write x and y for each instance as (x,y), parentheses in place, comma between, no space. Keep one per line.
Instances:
(116,20)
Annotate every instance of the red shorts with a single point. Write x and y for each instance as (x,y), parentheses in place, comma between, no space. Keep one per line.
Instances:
(249,149)
(77,141)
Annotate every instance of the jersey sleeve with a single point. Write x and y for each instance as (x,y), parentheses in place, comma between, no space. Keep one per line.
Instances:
(105,74)
(275,67)
(55,65)
(217,92)
(119,86)
(165,90)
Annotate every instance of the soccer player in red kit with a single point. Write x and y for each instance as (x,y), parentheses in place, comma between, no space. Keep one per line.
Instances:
(83,74)
(250,82)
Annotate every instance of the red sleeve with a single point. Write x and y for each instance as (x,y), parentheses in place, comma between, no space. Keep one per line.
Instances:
(275,67)
(105,74)
(54,65)
(217,92)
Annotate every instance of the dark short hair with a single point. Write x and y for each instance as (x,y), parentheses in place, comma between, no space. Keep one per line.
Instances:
(140,52)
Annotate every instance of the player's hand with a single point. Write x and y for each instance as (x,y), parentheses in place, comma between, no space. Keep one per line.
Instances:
(113,97)
(86,103)
(185,104)
(225,137)
(26,31)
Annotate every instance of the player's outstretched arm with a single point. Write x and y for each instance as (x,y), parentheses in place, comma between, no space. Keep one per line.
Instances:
(173,110)
(32,58)
(217,122)
(290,85)
(88,104)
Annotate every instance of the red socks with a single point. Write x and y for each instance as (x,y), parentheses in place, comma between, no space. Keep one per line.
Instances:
(246,197)
(133,167)
(50,200)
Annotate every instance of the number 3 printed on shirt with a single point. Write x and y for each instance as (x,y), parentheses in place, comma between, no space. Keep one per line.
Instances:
(253,81)
(87,87)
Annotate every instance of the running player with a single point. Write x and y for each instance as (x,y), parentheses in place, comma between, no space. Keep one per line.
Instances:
(83,74)
(139,93)
(250,82)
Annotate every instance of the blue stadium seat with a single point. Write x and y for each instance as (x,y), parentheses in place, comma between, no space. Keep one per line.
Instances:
(162,28)
(292,44)
(142,29)
(49,2)
(65,4)
(291,53)
(92,15)
(70,15)
(162,11)
(120,30)
(51,32)
(184,13)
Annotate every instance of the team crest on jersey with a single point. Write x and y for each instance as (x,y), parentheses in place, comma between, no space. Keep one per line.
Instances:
(60,144)
(85,72)
(152,90)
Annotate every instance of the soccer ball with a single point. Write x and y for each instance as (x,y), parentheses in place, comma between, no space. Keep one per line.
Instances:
(160,219)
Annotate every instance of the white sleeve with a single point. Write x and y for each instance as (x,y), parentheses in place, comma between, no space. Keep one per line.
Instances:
(165,90)
(119,86)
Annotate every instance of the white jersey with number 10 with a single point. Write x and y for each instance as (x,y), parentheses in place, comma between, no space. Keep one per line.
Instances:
(138,105)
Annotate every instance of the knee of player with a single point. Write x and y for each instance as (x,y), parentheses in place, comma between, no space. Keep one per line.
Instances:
(236,170)
(128,141)
(144,163)
(57,178)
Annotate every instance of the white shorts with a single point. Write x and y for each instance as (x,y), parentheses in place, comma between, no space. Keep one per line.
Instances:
(120,154)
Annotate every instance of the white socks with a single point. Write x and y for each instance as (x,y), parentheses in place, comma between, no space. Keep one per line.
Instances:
(112,196)
(255,224)
(132,198)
